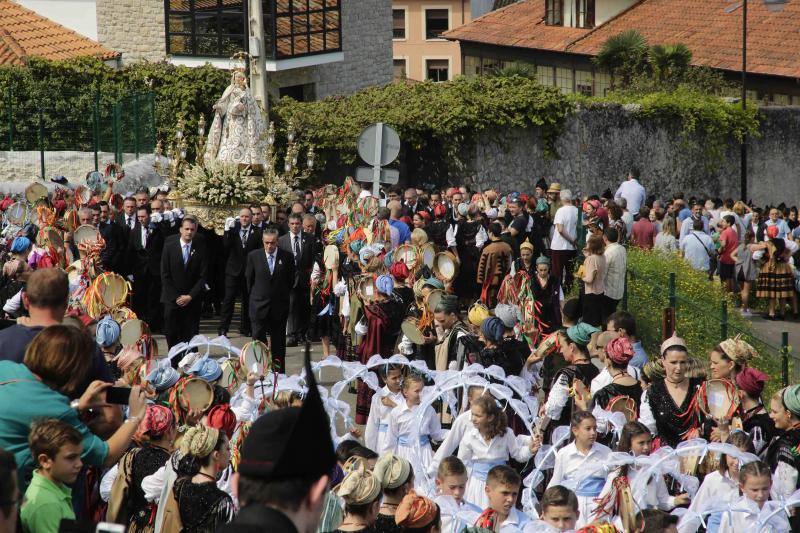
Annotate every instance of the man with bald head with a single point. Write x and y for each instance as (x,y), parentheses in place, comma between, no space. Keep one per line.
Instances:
(241,238)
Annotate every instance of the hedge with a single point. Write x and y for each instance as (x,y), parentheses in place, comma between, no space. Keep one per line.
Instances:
(698,310)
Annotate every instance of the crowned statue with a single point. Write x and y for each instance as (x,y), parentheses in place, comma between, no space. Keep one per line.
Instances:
(237,131)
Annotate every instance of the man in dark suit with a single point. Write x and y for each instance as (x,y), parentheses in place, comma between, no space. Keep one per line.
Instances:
(145,245)
(127,218)
(301,246)
(112,255)
(270,274)
(241,237)
(184,263)
(412,203)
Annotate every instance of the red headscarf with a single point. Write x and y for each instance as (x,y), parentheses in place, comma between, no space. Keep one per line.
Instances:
(751,381)
(439,211)
(399,271)
(221,417)
(424,215)
(157,421)
(619,350)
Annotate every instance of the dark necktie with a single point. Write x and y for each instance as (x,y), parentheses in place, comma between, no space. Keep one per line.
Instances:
(296,248)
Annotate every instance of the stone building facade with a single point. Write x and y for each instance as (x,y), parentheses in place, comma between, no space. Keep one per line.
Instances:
(137,29)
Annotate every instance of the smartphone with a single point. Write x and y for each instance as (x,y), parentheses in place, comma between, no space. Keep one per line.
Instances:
(118,395)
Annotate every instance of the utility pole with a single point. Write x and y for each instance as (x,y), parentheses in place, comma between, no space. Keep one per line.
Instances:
(258,54)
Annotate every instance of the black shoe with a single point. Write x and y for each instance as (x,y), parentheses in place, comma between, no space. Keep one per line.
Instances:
(291,342)
(245,332)
(222,332)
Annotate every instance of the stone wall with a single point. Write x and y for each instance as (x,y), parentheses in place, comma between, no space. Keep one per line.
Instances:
(598,146)
(367,47)
(133,27)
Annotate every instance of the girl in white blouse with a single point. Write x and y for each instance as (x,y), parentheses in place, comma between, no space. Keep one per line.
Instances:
(636,440)
(383,401)
(405,422)
(755,483)
(487,443)
(579,456)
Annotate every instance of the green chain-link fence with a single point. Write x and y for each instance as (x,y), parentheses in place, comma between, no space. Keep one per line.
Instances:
(74,133)
(678,299)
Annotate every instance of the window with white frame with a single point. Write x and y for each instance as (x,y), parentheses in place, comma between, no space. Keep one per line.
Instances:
(437,69)
(400,69)
(437,21)
(399,24)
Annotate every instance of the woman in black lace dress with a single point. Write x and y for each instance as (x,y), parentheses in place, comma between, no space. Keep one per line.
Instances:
(202,506)
(669,410)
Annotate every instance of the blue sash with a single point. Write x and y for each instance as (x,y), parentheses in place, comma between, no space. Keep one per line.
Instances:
(591,486)
(480,469)
(402,440)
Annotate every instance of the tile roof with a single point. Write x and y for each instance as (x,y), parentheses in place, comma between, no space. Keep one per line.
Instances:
(713,35)
(24,33)
(520,24)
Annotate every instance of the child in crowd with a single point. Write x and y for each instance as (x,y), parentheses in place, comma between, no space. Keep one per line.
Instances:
(559,511)
(488,443)
(657,521)
(636,440)
(720,486)
(56,447)
(502,489)
(405,421)
(582,454)
(457,430)
(755,483)
(451,483)
(383,401)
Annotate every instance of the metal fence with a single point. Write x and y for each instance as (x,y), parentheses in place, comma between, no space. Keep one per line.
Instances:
(661,308)
(80,131)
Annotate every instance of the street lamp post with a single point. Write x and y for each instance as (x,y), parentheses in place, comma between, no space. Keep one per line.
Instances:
(772,5)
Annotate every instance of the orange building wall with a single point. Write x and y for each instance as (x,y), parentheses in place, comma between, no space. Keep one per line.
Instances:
(415,49)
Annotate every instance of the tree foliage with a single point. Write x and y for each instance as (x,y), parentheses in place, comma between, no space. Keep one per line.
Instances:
(623,55)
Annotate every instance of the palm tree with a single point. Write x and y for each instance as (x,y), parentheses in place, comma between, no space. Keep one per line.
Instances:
(516,69)
(669,61)
(624,55)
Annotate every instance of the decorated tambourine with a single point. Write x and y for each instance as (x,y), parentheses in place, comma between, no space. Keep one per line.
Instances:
(82,195)
(331,256)
(35,192)
(717,398)
(131,331)
(74,271)
(122,314)
(366,288)
(407,254)
(445,266)
(113,289)
(196,395)
(550,344)
(427,252)
(625,405)
(86,234)
(233,374)
(433,299)
(49,236)
(410,328)
(255,357)
(17,214)
(70,219)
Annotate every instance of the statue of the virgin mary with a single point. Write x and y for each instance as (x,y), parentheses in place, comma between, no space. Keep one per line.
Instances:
(237,131)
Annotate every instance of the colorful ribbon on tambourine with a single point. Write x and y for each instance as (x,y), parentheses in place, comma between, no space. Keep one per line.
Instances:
(92,248)
(236,444)
(612,503)
(701,397)
(45,216)
(175,400)
(93,300)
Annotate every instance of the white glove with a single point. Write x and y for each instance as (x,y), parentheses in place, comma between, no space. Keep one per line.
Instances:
(230,222)
(156,218)
(130,277)
(361,327)
(177,212)
(168,216)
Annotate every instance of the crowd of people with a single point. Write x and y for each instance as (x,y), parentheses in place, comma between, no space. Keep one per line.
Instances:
(497,384)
